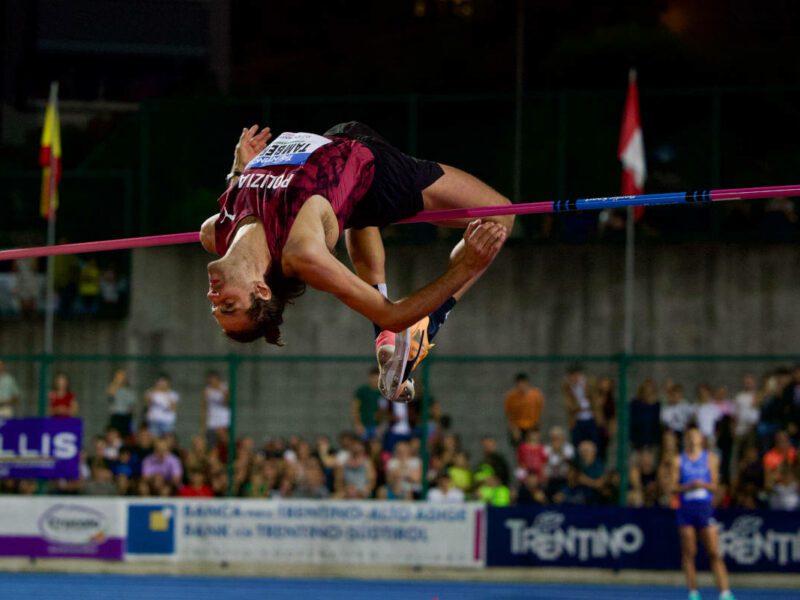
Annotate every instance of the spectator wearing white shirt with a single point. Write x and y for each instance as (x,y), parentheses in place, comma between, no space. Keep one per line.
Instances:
(678,411)
(9,392)
(162,404)
(444,492)
(560,453)
(216,409)
(708,413)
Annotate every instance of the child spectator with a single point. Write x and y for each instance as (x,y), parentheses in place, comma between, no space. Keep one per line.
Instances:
(531,456)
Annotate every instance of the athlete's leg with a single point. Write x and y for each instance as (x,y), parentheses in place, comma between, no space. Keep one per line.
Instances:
(365,248)
(710,538)
(688,555)
(459,189)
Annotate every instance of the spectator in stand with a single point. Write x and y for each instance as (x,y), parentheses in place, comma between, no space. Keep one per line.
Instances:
(368,407)
(746,414)
(444,492)
(707,413)
(749,480)
(494,492)
(313,484)
(784,490)
(644,484)
(327,458)
(791,403)
(143,446)
(66,269)
(523,407)
(606,411)
(162,404)
(531,492)
(162,464)
(61,400)
(592,470)
(89,287)
(678,412)
(531,456)
(460,472)
(101,482)
(645,428)
(404,470)
(772,413)
(400,426)
(492,463)
(216,412)
(196,457)
(580,407)
(782,453)
(356,477)
(724,431)
(113,444)
(560,454)
(669,451)
(197,486)
(122,400)
(573,491)
(9,393)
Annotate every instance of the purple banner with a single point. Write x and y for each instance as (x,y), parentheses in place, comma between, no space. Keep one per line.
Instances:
(18,545)
(47,448)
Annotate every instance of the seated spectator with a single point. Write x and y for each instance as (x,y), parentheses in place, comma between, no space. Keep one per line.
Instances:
(494,492)
(125,464)
(460,472)
(162,463)
(124,484)
(197,486)
(560,453)
(645,427)
(784,491)
(531,492)
(9,393)
(592,469)
(749,480)
(782,453)
(492,462)
(573,491)
(678,412)
(356,477)
(312,485)
(196,457)
(404,471)
(444,492)
(531,455)
(101,482)
(113,444)
(644,488)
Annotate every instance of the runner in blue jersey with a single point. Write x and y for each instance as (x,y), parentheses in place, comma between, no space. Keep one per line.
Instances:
(695,474)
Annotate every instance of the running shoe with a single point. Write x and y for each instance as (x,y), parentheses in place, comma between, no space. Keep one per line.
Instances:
(398,356)
(694,595)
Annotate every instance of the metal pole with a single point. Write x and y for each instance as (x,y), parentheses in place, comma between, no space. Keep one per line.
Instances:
(426,405)
(50,296)
(518,98)
(233,388)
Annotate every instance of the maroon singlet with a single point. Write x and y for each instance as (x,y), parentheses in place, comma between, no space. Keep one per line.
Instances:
(276,183)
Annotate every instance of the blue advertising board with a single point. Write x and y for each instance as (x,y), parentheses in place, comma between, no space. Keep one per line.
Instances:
(47,448)
(629,538)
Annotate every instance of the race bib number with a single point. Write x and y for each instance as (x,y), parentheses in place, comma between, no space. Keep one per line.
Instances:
(288,149)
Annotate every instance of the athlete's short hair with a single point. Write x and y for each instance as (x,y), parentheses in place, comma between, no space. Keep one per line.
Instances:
(267,315)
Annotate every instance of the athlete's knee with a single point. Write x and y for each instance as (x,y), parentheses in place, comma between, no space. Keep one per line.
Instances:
(689,554)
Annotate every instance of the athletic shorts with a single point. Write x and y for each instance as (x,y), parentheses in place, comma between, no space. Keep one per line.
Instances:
(396,190)
(695,514)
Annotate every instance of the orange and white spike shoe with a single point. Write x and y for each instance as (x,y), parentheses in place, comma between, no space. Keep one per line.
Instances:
(398,356)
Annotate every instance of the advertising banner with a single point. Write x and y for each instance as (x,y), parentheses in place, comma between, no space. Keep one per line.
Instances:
(401,533)
(47,448)
(627,538)
(62,527)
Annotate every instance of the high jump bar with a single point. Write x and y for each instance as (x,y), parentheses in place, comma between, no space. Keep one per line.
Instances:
(694,198)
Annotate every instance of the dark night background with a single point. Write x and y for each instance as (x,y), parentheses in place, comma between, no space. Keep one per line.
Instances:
(153,93)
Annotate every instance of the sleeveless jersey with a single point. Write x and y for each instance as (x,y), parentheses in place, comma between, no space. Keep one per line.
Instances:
(292,168)
(694,470)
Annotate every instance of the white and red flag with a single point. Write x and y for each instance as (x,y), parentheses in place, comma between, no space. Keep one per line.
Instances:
(631,146)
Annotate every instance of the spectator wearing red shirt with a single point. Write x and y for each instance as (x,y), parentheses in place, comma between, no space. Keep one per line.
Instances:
(197,487)
(61,400)
(782,453)
(531,456)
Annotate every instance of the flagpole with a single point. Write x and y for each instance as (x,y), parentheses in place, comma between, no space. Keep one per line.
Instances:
(50,296)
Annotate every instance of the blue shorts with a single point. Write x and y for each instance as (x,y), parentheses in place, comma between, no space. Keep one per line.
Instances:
(695,514)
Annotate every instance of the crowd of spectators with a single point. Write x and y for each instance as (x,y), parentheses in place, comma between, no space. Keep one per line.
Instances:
(755,433)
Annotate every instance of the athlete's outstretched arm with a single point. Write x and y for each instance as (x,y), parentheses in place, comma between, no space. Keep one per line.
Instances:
(313,264)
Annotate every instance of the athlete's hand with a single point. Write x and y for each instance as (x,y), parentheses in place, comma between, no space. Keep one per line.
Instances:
(482,242)
(250,143)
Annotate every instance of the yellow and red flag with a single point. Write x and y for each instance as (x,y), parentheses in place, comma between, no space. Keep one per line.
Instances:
(631,146)
(50,156)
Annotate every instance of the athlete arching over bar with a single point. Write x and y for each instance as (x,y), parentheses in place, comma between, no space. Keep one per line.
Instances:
(286,205)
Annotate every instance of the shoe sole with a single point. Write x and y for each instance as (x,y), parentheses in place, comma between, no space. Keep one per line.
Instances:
(392,371)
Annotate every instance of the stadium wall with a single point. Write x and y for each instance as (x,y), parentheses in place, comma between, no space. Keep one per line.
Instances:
(693,298)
